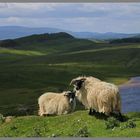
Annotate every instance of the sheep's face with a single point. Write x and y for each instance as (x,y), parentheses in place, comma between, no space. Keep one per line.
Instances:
(71,96)
(77,83)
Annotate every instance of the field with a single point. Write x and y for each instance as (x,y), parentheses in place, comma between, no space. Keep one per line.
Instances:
(77,124)
(32,66)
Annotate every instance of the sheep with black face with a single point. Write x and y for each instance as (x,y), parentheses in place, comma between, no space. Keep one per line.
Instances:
(51,103)
(97,95)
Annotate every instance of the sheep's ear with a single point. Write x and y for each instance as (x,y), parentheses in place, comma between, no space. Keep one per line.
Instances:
(66,94)
(83,79)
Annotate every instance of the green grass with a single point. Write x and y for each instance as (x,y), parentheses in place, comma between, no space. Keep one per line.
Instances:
(77,124)
(19,52)
(106,49)
(26,77)
(29,70)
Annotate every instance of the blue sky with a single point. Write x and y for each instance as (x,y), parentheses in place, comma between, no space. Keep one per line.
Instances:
(93,17)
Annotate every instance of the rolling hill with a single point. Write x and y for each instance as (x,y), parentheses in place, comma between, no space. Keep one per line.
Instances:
(12,32)
(33,39)
(32,65)
(35,64)
(101,36)
(135,39)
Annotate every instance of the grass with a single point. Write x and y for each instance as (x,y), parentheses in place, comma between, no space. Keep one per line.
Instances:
(19,52)
(106,49)
(29,70)
(26,77)
(26,80)
(78,124)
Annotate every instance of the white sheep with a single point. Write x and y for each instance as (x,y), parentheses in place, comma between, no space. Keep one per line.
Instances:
(97,95)
(56,103)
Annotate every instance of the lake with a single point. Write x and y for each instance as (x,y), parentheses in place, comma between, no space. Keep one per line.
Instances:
(130,95)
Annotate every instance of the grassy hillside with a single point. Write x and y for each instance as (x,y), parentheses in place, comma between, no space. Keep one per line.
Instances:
(77,124)
(135,39)
(34,67)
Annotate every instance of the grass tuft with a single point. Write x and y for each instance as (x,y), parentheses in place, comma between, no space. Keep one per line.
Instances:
(112,123)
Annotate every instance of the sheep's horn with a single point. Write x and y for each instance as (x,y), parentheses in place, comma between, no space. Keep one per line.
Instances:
(72,82)
(83,79)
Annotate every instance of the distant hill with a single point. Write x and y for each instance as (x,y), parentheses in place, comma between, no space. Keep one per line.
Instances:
(40,38)
(102,36)
(137,36)
(12,32)
(49,42)
(135,39)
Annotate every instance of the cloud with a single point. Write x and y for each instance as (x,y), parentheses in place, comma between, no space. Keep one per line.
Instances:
(44,10)
(26,9)
(113,10)
(3,5)
(28,6)
(99,17)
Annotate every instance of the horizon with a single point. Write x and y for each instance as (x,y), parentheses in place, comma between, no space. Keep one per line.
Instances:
(78,17)
(63,30)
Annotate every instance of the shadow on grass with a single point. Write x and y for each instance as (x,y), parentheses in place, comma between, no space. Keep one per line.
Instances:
(102,116)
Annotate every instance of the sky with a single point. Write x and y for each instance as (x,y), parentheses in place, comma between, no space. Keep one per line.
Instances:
(91,17)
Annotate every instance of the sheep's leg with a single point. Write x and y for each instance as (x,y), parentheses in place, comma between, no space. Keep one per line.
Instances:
(41,110)
(90,112)
(41,114)
(120,117)
(93,111)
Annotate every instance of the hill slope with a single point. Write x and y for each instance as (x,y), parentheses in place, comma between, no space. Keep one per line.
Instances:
(33,39)
(101,36)
(12,32)
(77,124)
(135,39)
(47,42)
(37,65)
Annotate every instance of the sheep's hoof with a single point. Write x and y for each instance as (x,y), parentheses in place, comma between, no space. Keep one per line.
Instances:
(91,112)
(121,118)
(43,115)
